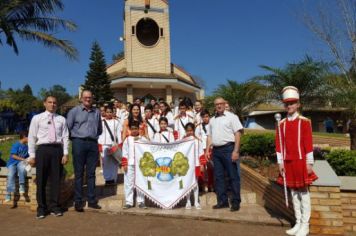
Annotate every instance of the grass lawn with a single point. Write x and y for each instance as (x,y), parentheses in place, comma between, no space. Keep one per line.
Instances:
(5,148)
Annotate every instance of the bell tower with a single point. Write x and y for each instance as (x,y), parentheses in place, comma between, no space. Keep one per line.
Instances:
(147,36)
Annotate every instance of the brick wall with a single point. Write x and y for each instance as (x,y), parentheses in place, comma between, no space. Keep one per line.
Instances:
(348,204)
(327,216)
(29,200)
(268,194)
(333,210)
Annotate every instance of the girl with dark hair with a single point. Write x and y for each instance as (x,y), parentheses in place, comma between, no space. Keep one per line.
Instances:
(189,104)
(166,112)
(134,115)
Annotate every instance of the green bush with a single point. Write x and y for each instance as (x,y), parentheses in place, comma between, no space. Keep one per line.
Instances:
(258,145)
(343,162)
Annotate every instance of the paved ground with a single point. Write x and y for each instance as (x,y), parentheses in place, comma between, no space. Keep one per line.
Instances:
(22,222)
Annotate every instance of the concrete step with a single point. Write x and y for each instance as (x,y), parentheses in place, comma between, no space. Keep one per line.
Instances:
(112,198)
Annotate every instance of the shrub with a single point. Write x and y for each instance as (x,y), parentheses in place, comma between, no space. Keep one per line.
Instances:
(258,145)
(343,162)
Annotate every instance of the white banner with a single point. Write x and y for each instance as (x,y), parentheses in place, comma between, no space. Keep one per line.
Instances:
(165,173)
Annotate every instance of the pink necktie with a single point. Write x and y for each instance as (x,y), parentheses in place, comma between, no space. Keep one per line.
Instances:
(51,130)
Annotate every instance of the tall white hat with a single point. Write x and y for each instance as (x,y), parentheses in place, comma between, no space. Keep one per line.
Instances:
(290,94)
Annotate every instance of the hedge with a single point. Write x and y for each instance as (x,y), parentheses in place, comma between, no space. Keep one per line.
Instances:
(258,145)
(342,161)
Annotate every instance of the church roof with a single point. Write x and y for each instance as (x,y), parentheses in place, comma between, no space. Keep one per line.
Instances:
(184,76)
(124,73)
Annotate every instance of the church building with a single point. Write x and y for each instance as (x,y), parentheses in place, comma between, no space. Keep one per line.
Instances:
(146,69)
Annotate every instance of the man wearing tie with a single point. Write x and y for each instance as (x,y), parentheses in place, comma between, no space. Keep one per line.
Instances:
(49,132)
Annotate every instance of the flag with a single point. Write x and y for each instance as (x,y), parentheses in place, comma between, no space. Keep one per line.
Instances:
(165,173)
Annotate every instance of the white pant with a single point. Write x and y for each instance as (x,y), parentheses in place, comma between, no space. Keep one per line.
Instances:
(110,166)
(196,195)
(129,187)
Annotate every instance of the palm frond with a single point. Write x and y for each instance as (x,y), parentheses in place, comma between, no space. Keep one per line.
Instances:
(51,42)
(45,24)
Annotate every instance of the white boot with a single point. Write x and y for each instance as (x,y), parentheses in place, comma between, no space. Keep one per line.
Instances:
(297,212)
(306,211)
(196,199)
(188,205)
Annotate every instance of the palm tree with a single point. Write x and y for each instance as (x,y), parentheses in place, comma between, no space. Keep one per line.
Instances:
(35,20)
(308,76)
(240,96)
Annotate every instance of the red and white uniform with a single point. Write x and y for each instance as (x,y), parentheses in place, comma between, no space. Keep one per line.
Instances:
(295,150)
(179,125)
(128,159)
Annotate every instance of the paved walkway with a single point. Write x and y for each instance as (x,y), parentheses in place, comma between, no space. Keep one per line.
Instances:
(22,222)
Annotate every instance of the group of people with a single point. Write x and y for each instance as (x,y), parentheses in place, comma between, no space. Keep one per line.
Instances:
(94,132)
(155,122)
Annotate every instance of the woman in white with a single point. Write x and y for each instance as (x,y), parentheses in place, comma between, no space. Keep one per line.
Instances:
(165,135)
(107,140)
(166,112)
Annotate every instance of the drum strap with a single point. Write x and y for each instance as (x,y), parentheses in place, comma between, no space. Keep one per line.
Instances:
(111,135)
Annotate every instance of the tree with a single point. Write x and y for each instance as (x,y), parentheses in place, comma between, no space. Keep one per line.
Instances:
(335,26)
(240,96)
(23,102)
(58,91)
(27,89)
(35,20)
(308,76)
(97,80)
(117,56)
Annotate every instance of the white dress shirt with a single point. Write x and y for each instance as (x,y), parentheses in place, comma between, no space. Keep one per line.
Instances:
(128,148)
(160,139)
(170,119)
(155,125)
(38,133)
(115,127)
(222,128)
(201,134)
(197,117)
(179,125)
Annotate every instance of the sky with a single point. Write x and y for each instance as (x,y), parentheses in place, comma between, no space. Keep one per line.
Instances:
(215,40)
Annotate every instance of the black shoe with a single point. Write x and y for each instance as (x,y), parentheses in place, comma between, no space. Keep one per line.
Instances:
(94,206)
(78,207)
(220,206)
(235,208)
(109,182)
(40,215)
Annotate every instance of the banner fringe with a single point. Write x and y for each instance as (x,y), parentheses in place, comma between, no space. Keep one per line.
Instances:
(158,204)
